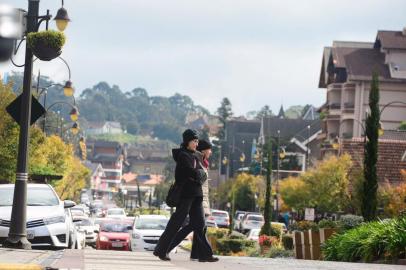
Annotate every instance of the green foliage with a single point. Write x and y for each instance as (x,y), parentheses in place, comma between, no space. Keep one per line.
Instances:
(370,187)
(287,241)
(51,38)
(266,228)
(327,223)
(227,245)
(348,222)
(224,112)
(402,126)
(279,252)
(369,242)
(324,187)
(304,225)
(217,232)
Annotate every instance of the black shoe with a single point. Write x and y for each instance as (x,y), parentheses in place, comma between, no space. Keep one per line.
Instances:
(162,257)
(210,259)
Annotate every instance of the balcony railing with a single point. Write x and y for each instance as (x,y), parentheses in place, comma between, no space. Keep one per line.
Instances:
(349,105)
(334,106)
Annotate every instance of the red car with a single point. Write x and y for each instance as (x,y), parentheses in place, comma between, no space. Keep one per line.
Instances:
(114,236)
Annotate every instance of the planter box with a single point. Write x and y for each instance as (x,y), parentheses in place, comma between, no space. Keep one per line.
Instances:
(314,239)
(325,234)
(298,244)
(213,242)
(306,246)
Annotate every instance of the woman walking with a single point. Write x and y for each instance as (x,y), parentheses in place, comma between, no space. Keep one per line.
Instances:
(190,175)
(203,153)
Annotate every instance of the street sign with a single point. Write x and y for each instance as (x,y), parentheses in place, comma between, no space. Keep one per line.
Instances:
(14,109)
(309,214)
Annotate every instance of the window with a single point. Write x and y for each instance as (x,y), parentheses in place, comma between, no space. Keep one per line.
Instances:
(255,218)
(110,227)
(36,196)
(151,224)
(219,214)
(115,212)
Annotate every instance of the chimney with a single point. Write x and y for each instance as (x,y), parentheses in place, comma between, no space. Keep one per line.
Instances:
(404,31)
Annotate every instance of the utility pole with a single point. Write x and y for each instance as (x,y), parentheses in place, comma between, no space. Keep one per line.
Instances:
(17,237)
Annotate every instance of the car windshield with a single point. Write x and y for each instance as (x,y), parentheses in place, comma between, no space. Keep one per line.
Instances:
(115,212)
(219,214)
(151,224)
(36,196)
(255,218)
(113,227)
(86,222)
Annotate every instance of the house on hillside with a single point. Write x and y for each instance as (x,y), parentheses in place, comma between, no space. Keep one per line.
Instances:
(108,127)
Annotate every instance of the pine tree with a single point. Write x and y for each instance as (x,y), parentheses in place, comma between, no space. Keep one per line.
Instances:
(224,112)
(370,185)
(266,228)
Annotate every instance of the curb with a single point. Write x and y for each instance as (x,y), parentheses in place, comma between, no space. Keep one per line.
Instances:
(4,266)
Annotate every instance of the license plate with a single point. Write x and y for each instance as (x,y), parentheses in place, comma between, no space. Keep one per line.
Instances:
(30,235)
(117,244)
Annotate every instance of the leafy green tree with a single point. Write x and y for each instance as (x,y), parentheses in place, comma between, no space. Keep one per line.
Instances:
(402,126)
(370,187)
(264,112)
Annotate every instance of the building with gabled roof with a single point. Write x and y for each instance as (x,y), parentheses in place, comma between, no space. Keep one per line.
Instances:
(346,73)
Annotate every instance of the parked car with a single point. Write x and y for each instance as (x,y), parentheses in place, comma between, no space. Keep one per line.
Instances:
(237,220)
(253,234)
(147,229)
(251,221)
(49,223)
(210,222)
(78,212)
(221,218)
(89,228)
(114,235)
(115,213)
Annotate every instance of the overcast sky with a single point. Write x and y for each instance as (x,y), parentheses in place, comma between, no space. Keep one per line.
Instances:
(254,52)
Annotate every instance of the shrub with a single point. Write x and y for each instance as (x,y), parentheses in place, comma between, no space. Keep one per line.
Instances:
(237,235)
(287,241)
(326,223)
(303,225)
(350,221)
(368,242)
(217,232)
(279,252)
(51,38)
(265,240)
(226,246)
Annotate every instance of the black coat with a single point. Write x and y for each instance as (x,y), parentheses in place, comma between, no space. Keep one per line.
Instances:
(188,172)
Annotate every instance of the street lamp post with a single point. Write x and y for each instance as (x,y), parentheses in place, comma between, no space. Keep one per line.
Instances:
(17,237)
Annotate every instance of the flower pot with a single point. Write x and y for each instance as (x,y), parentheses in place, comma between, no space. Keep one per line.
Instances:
(265,249)
(298,245)
(44,52)
(314,239)
(325,234)
(306,245)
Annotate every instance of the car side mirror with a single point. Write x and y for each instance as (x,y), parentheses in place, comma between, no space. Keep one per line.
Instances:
(129,228)
(96,231)
(68,204)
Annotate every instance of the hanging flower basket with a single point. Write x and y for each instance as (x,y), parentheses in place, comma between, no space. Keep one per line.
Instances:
(46,45)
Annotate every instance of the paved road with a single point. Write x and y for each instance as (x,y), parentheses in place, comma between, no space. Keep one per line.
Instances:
(91,259)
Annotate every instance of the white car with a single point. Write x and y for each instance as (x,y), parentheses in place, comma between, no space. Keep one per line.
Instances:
(221,218)
(89,229)
(49,222)
(116,213)
(253,234)
(147,230)
(251,221)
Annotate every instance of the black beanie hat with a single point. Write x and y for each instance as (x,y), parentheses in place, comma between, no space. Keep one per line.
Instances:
(204,145)
(189,135)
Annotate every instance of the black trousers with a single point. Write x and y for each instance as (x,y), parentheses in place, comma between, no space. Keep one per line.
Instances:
(172,236)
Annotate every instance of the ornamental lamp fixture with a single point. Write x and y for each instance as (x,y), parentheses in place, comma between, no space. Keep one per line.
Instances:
(75,128)
(62,19)
(68,89)
(74,114)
